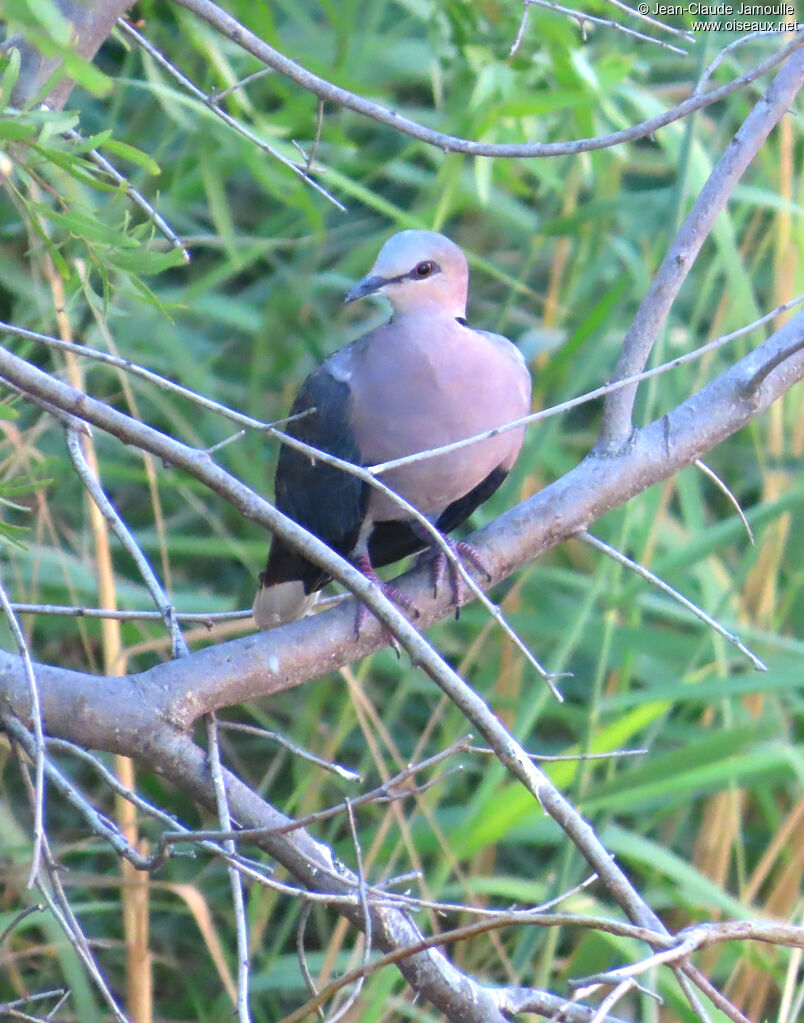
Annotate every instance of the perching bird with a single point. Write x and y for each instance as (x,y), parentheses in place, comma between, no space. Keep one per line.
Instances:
(422,380)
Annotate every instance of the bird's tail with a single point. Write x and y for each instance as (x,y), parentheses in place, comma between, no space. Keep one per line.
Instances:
(281,603)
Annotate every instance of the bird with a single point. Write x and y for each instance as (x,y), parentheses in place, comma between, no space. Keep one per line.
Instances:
(422,380)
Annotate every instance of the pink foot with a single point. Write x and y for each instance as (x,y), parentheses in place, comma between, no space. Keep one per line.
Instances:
(461,550)
(388,590)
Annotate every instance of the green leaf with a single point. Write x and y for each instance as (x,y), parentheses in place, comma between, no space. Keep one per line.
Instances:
(132,154)
(86,74)
(16,130)
(13,534)
(145,261)
(11,70)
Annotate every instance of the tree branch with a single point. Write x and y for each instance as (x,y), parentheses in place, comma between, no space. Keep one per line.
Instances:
(91,22)
(251,666)
(142,715)
(232,29)
(664,288)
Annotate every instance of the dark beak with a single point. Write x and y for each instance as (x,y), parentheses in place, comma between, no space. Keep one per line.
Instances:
(365,287)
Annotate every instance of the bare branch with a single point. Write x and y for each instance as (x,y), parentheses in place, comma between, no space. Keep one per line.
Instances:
(325,90)
(99,823)
(711,200)
(367,475)
(296,750)
(136,197)
(174,694)
(127,366)
(660,584)
(52,891)
(520,34)
(67,611)
(231,122)
(37,751)
(235,880)
(581,17)
(663,26)
(724,489)
(715,64)
(23,913)
(121,530)
(245,668)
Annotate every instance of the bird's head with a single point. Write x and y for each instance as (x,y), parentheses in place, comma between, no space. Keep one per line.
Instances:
(418,270)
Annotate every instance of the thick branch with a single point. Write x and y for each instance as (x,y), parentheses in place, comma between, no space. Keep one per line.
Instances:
(139,715)
(87,708)
(91,22)
(132,715)
(429,972)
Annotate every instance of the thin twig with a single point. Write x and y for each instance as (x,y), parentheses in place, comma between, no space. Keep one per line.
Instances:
(127,366)
(455,934)
(297,751)
(770,108)
(394,788)
(718,1000)
(721,394)
(235,879)
(99,823)
(684,34)
(612,998)
(59,992)
(201,617)
(309,983)
(136,197)
(520,35)
(121,530)
(598,392)
(60,909)
(59,905)
(381,467)
(710,70)
(665,957)
(65,995)
(660,584)
(218,96)
(581,17)
(37,752)
(250,870)
(722,486)
(226,441)
(310,157)
(232,29)
(23,913)
(548,758)
(496,911)
(212,103)
(366,475)
(361,891)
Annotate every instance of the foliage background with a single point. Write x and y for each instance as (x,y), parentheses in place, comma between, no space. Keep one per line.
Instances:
(711,822)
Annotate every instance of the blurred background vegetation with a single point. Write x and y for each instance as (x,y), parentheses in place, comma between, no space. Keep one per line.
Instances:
(711,823)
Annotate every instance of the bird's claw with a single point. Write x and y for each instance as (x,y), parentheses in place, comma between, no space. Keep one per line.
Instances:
(463,551)
(393,593)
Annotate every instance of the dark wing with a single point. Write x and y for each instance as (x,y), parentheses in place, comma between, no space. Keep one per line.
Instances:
(325,500)
(391,541)
(459,511)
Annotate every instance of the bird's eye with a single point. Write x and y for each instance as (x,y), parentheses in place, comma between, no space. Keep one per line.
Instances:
(425,269)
